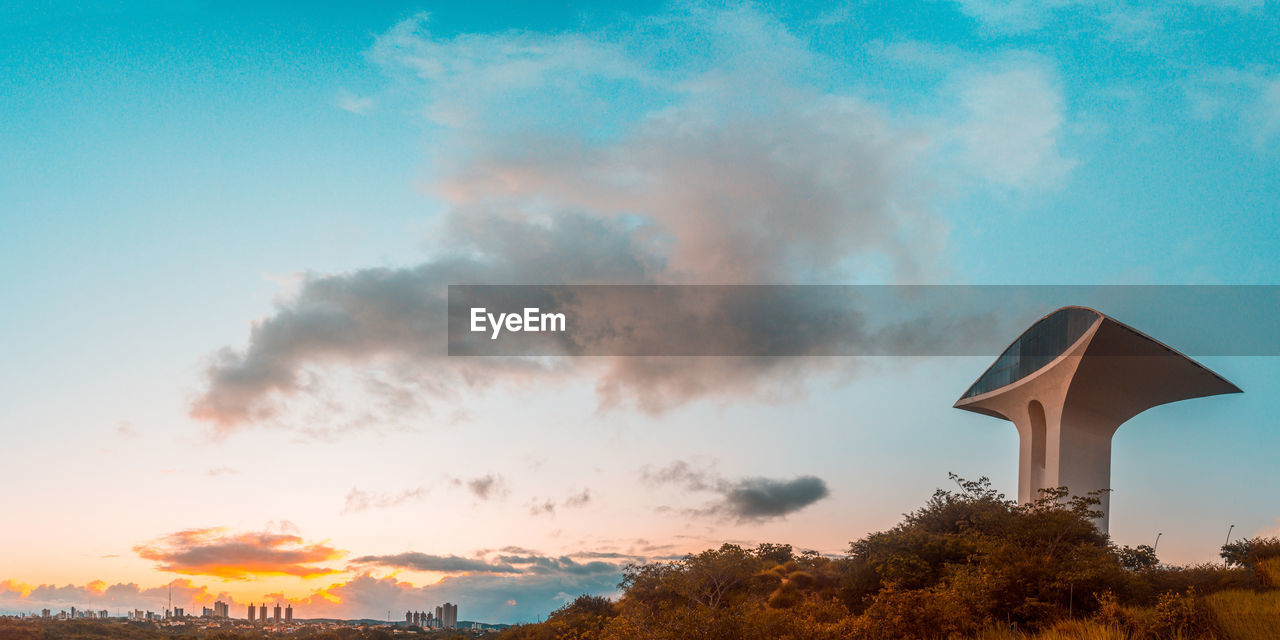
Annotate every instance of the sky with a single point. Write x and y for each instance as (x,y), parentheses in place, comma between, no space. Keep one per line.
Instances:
(225,230)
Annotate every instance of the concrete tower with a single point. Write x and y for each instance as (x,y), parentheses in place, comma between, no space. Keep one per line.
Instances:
(1068,383)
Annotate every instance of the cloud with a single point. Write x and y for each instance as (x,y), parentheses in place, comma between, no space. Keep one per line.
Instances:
(1249,98)
(353,103)
(474,80)
(1022,16)
(762,498)
(543,507)
(487,597)
(485,487)
(744,500)
(511,584)
(220,471)
(508,585)
(1010,124)
(358,500)
(426,562)
(220,553)
(548,506)
(683,474)
(653,163)
(20,597)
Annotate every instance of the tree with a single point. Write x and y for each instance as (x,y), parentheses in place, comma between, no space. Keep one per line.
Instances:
(1138,558)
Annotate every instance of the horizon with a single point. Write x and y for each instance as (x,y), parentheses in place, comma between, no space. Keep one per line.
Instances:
(229,232)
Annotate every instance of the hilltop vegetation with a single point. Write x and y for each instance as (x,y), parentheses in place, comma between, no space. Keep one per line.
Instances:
(969,564)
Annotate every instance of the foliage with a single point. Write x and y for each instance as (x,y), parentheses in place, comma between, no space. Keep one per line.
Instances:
(584,617)
(1138,558)
(970,563)
(1259,555)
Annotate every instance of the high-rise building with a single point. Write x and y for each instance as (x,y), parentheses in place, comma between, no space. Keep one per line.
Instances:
(431,621)
(277,611)
(439,616)
(221,610)
(251,612)
(177,613)
(408,618)
(450,616)
(1067,383)
(262,613)
(288,614)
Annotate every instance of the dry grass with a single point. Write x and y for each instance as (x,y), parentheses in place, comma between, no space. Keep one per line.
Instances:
(1247,615)
(1240,615)
(1065,630)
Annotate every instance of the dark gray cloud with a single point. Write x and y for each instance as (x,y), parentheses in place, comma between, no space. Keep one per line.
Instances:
(488,597)
(745,499)
(427,562)
(524,562)
(760,498)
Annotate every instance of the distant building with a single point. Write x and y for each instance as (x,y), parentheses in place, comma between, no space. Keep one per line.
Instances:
(177,613)
(221,610)
(288,614)
(450,616)
(251,612)
(277,611)
(44,613)
(408,618)
(262,613)
(431,621)
(439,616)
(105,614)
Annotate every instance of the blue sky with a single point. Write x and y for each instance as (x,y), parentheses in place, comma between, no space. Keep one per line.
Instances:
(173,175)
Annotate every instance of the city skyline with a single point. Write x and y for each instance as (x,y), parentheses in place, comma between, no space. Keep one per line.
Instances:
(226,232)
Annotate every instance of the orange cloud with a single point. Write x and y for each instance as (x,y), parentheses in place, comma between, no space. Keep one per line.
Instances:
(12,586)
(220,553)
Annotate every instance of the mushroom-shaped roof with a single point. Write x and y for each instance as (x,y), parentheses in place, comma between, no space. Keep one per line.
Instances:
(1060,331)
